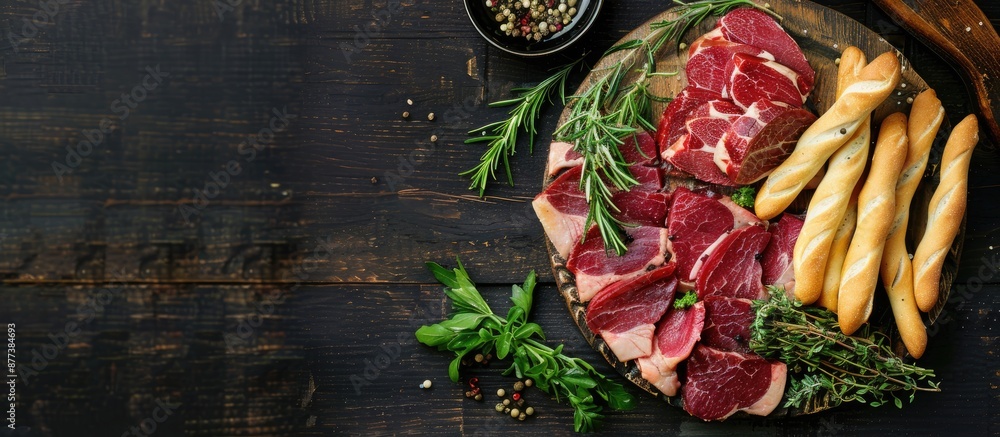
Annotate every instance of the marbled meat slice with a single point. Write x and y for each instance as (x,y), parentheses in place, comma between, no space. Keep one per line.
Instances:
(706,68)
(760,140)
(595,268)
(727,323)
(756,28)
(777,259)
(731,268)
(750,79)
(672,122)
(720,383)
(625,313)
(695,222)
(675,337)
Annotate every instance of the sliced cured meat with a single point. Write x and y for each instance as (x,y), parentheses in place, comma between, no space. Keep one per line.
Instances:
(676,336)
(625,313)
(727,323)
(720,383)
(732,268)
(711,120)
(695,222)
(706,68)
(696,158)
(760,140)
(639,149)
(756,28)
(750,79)
(562,207)
(595,268)
(672,121)
(713,35)
(777,258)
(562,156)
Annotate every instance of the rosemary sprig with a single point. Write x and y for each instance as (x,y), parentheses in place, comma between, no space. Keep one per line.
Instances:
(607,112)
(824,364)
(474,327)
(502,135)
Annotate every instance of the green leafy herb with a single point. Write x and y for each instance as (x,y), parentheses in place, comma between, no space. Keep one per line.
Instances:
(606,113)
(687,301)
(744,196)
(474,327)
(502,135)
(826,366)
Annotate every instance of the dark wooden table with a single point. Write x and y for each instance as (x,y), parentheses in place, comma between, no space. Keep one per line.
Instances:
(213,221)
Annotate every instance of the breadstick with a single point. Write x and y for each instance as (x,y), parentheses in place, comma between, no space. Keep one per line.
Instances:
(829,202)
(944,213)
(897,272)
(876,206)
(827,134)
(825,214)
(838,250)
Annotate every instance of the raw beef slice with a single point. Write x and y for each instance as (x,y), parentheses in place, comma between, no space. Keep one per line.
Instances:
(676,335)
(760,140)
(625,313)
(706,68)
(756,28)
(731,268)
(777,259)
(727,323)
(562,156)
(694,153)
(750,79)
(672,121)
(562,207)
(595,268)
(695,222)
(721,383)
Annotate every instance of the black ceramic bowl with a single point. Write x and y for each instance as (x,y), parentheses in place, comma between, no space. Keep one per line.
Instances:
(485,23)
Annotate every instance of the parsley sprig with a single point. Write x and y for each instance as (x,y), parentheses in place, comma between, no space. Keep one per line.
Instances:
(474,327)
(826,366)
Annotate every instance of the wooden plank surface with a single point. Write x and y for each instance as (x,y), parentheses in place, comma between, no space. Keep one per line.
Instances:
(305,219)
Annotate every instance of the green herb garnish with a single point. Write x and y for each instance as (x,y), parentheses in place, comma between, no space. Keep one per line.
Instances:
(687,301)
(474,327)
(502,135)
(827,367)
(744,196)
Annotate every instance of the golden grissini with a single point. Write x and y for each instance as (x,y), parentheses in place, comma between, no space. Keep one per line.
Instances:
(834,128)
(876,207)
(945,212)
(829,202)
(926,116)
(838,251)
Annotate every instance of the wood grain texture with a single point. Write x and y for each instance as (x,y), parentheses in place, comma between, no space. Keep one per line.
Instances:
(327,225)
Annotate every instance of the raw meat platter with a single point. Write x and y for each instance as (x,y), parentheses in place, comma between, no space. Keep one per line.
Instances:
(822,34)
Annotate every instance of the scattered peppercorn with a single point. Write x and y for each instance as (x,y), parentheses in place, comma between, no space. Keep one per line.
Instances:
(434,139)
(406,114)
(430,116)
(529,411)
(374,180)
(427,384)
(480,358)
(518,386)
(499,408)
(409,102)
(506,411)
(528,383)
(479,397)
(520,402)
(521,416)
(506,401)
(515,412)
(501,392)
(468,394)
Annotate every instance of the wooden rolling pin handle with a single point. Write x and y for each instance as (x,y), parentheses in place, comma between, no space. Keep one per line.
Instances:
(958,31)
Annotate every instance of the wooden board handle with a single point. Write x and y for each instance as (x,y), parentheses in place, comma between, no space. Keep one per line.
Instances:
(958,31)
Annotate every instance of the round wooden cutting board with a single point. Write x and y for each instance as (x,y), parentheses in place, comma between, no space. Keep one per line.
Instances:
(822,33)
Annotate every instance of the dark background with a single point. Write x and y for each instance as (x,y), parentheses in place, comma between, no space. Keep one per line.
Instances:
(284,302)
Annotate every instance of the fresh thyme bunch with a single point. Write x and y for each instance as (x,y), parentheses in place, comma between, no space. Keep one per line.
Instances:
(825,365)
